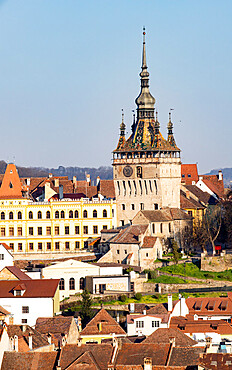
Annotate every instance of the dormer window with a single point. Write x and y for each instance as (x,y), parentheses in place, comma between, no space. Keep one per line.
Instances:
(11,185)
(18,293)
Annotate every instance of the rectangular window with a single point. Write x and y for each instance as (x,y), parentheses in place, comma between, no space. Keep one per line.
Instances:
(57,246)
(95,230)
(30,230)
(31,246)
(155,324)
(118,252)
(125,251)
(139,324)
(49,246)
(11,245)
(48,230)
(85,229)
(24,321)
(11,231)
(122,222)
(123,207)
(66,230)
(77,245)
(104,227)
(40,246)
(57,230)
(39,230)
(132,207)
(20,246)
(142,206)
(67,246)
(3,231)
(1,257)
(20,231)
(146,254)
(77,229)
(25,309)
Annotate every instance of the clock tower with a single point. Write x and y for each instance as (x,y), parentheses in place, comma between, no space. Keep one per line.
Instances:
(146,167)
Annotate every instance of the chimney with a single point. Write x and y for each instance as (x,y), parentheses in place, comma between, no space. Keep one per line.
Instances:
(98,181)
(79,324)
(147,363)
(182,307)
(74,182)
(50,175)
(169,303)
(58,367)
(61,192)
(16,343)
(88,178)
(49,338)
(144,312)
(30,341)
(187,194)
(172,341)
(56,182)
(132,307)
(220,175)
(24,328)
(28,181)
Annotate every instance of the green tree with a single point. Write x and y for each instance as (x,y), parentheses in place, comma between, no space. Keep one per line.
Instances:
(176,254)
(86,312)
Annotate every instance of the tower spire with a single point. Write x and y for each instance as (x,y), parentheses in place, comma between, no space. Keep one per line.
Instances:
(145,101)
(171,138)
(122,126)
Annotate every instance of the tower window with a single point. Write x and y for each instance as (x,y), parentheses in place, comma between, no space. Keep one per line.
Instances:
(30,215)
(85,214)
(123,207)
(70,214)
(142,206)
(95,214)
(62,214)
(19,215)
(39,214)
(48,214)
(76,214)
(132,207)
(156,206)
(57,214)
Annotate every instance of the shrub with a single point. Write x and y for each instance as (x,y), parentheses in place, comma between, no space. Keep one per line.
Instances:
(123,298)
(152,274)
(138,296)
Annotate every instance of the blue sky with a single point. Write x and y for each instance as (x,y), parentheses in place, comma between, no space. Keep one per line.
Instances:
(68,67)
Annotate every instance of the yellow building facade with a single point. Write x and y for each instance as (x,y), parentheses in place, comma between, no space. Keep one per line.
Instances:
(55,226)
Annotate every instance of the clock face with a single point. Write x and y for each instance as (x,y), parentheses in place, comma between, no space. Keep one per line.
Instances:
(127,171)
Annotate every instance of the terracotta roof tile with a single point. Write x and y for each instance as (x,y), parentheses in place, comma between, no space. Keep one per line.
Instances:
(17,272)
(107,189)
(102,323)
(163,335)
(100,352)
(166,214)
(158,309)
(189,356)
(189,173)
(190,326)
(129,234)
(189,203)
(55,326)
(216,361)
(149,241)
(29,361)
(203,196)
(34,288)
(222,306)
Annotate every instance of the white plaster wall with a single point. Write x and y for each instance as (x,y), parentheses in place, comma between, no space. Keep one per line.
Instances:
(38,307)
(121,283)
(113,270)
(8,258)
(147,329)
(180,309)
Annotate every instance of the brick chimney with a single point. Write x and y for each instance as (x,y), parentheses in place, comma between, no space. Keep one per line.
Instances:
(147,363)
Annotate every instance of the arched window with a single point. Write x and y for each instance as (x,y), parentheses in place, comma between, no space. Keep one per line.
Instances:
(82,283)
(95,214)
(62,214)
(39,214)
(2,215)
(104,213)
(61,284)
(30,215)
(48,215)
(11,216)
(71,284)
(19,215)
(70,214)
(57,214)
(85,214)
(76,214)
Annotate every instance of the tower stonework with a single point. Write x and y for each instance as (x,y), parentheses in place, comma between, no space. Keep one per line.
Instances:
(146,167)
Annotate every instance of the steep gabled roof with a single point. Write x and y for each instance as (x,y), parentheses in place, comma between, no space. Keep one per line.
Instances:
(129,235)
(189,173)
(163,335)
(101,353)
(19,274)
(23,333)
(11,187)
(101,324)
(106,188)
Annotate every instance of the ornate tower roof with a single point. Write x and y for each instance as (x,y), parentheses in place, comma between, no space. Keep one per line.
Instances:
(122,138)
(145,101)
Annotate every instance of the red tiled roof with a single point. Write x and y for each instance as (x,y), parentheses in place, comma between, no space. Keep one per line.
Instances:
(216,361)
(163,335)
(17,272)
(107,189)
(101,324)
(189,203)
(11,186)
(149,241)
(166,214)
(29,360)
(189,325)
(129,234)
(215,188)
(71,352)
(34,288)
(6,246)
(222,306)
(189,173)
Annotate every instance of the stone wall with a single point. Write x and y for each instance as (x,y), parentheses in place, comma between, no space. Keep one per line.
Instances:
(216,263)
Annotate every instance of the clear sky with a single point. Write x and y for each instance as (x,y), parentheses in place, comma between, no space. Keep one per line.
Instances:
(68,67)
